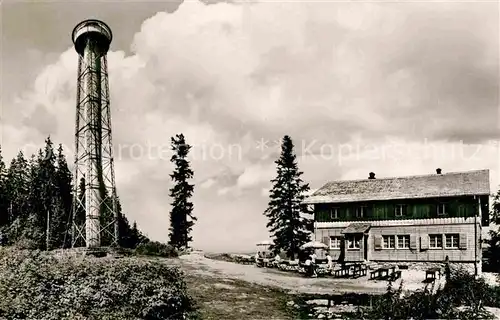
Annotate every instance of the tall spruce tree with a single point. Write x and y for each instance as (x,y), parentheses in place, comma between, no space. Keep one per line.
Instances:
(493,250)
(4,201)
(287,224)
(135,237)
(181,215)
(52,213)
(17,186)
(33,221)
(63,179)
(123,227)
(46,208)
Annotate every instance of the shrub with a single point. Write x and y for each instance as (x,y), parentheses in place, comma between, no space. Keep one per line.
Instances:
(462,289)
(35,285)
(26,244)
(155,248)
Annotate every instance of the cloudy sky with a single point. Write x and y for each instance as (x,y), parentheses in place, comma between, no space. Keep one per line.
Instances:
(394,88)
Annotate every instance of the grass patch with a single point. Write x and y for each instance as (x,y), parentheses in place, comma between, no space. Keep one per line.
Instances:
(235,299)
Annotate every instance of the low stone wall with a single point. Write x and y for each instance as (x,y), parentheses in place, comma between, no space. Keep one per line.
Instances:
(422,266)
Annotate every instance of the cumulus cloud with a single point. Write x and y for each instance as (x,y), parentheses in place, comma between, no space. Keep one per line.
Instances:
(343,79)
(255,175)
(208,183)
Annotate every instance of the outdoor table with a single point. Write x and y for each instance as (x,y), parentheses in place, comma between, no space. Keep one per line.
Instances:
(343,271)
(431,273)
(389,269)
(359,269)
(383,271)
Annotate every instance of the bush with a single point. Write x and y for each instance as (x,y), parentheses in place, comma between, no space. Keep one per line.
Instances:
(155,248)
(463,297)
(26,244)
(464,289)
(35,285)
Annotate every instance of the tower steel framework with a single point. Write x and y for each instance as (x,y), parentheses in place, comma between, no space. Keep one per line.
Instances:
(94,215)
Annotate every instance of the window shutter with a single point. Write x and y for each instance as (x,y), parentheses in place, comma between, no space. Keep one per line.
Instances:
(413,241)
(462,241)
(378,242)
(424,242)
(326,240)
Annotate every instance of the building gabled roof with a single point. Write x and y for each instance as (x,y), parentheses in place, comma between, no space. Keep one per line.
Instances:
(411,187)
(356,228)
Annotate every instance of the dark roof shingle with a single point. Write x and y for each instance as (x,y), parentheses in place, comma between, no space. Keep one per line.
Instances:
(410,187)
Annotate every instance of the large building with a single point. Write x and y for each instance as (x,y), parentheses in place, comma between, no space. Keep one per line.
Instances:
(423,218)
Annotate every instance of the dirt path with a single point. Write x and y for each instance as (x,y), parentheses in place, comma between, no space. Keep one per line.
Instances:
(198,264)
(227,290)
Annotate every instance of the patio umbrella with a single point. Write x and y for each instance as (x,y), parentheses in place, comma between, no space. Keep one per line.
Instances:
(314,245)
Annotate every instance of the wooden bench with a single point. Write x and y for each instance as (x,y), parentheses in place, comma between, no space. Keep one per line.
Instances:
(430,274)
(322,271)
(359,270)
(375,274)
(341,272)
(394,276)
(378,273)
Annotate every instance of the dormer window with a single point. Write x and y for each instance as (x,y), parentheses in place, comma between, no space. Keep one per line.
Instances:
(441,209)
(361,211)
(462,211)
(400,210)
(334,213)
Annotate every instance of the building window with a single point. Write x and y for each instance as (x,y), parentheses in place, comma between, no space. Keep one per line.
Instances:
(334,213)
(441,209)
(335,243)
(361,211)
(403,242)
(461,211)
(353,242)
(400,210)
(435,241)
(451,241)
(388,242)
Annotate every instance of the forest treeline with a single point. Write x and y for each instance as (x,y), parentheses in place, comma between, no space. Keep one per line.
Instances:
(36,199)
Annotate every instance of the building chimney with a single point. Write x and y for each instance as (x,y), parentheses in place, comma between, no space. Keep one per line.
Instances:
(372,175)
(438,171)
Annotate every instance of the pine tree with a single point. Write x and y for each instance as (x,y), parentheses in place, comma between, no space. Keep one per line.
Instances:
(45,213)
(181,217)
(4,201)
(493,250)
(288,226)
(17,186)
(130,236)
(33,221)
(125,231)
(134,235)
(51,215)
(63,179)
(46,207)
